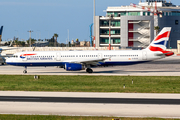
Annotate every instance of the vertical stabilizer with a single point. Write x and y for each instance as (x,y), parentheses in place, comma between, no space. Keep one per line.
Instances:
(160,41)
(1,32)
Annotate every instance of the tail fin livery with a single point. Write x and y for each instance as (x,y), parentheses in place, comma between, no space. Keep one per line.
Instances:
(160,42)
(1,32)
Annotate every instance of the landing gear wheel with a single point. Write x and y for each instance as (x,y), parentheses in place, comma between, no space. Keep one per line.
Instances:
(89,70)
(25,71)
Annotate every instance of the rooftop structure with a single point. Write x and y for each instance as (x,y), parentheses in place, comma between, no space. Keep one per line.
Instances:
(134,27)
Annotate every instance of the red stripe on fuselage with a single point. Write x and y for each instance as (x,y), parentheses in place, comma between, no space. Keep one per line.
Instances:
(27,54)
(164,35)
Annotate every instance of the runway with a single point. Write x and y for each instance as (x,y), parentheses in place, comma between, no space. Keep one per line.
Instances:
(91,100)
(95,104)
(169,66)
(90,104)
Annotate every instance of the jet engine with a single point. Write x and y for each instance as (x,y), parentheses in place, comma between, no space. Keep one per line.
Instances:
(74,67)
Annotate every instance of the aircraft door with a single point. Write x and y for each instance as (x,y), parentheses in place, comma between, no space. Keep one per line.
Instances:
(58,56)
(99,55)
(144,55)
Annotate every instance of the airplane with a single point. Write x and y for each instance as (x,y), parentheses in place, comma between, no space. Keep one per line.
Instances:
(1,32)
(81,60)
(3,48)
(2,59)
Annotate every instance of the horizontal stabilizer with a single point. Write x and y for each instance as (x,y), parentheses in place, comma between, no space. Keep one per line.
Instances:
(166,53)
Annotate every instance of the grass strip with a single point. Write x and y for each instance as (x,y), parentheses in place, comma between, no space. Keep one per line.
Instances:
(141,84)
(52,117)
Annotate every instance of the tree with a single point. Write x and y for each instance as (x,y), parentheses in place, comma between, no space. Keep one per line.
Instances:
(32,41)
(157,28)
(17,42)
(77,42)
(55,42)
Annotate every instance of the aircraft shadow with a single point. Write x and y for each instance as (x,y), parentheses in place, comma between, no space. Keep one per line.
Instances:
(164,62)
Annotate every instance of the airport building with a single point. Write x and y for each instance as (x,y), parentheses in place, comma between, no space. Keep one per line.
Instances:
(131,26)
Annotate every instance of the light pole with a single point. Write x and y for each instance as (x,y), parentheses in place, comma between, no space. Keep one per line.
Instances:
(68,37)
(30,37)
(110,18)
(94,10)
(94,21)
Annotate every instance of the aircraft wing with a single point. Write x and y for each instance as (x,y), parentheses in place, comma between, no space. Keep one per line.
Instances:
(7,48)
(89,62)
(6,55)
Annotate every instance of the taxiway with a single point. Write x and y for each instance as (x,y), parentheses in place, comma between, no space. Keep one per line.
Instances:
(169,66)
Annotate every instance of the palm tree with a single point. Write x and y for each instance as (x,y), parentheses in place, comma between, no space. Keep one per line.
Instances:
(55,42)
(157,28)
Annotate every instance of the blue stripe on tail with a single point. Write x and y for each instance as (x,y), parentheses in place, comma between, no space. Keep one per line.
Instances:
(1,30)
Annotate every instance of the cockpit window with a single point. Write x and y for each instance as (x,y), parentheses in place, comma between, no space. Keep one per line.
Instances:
(15,56)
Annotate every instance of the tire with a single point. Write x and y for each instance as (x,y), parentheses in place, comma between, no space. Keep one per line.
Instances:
(89,70)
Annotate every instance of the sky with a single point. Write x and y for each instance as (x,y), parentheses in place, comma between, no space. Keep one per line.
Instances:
(46,17)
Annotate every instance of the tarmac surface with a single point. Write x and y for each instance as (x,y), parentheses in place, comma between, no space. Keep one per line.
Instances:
(90,104)
(95,104)
(169,66)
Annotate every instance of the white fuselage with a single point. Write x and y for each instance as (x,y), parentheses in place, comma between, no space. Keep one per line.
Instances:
(60,58)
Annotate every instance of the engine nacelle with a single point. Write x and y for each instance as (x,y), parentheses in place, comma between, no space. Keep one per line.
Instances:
(74,67)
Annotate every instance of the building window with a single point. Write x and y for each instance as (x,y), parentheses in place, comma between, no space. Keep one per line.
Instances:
(104,41)
(116,14)
(134,13)
(116,41)
(110,13)
(115,23)
(144,13)
(113,41)
(104,23)
(176,22)
(123,13)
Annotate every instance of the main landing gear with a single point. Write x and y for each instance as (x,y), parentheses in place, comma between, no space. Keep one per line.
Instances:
(25,71)
(89,70)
